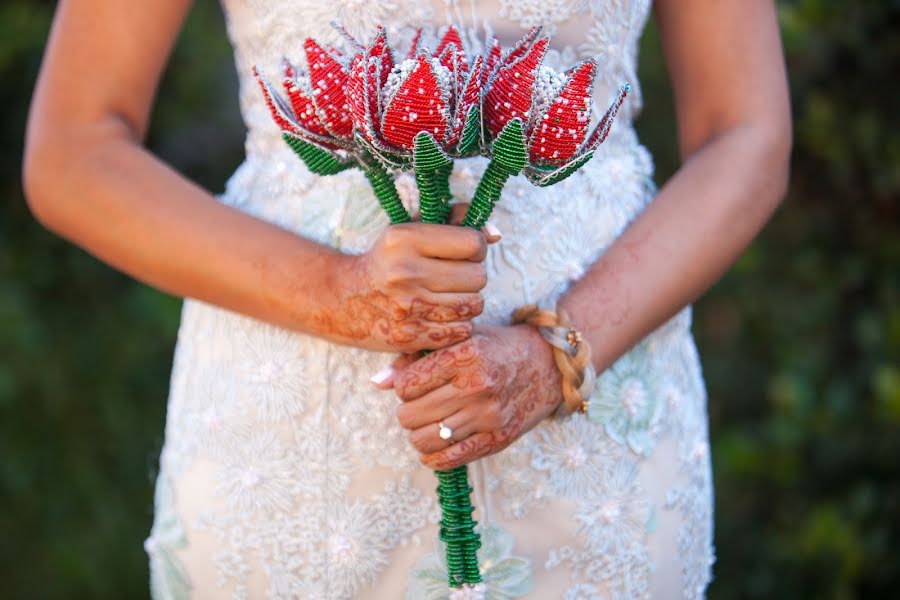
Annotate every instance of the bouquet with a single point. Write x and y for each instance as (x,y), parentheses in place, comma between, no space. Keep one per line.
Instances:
(382,113)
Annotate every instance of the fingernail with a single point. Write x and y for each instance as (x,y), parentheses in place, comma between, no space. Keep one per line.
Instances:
(382,375)
(492,230)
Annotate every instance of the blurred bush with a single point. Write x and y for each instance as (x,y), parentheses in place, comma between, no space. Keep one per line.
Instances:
(800,341)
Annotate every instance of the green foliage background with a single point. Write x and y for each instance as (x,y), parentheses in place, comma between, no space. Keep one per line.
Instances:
(800,341)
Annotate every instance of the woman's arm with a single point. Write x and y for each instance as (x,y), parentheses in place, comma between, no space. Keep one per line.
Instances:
(88,178)
(734,124)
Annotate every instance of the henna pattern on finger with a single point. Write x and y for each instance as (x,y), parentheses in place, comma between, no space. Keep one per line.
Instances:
(528,390)
(459,310)
(374,312)
(438,368)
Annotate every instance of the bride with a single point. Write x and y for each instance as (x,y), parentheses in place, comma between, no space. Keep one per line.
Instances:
(298,445)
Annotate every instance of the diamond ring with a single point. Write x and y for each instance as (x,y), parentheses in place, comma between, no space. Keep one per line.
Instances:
(445,432)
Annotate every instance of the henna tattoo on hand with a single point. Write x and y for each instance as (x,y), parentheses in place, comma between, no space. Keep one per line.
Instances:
(458,310)
(516,368)
(391,323)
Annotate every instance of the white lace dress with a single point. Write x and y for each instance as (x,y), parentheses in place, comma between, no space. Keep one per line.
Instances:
(284,474)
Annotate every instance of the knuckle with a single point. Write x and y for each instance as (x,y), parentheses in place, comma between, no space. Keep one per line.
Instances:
(399,274)
(395,237)
(403,416)
(417,442)
(400,308)
(477,305)
(477,243)
(479,276)
(403,388)
(468,306)
(463,331)
(482,348)
(489,384)
(466,348)
(498,415)
(487,387)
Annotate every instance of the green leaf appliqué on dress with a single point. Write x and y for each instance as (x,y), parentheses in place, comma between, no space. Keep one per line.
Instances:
(505,576)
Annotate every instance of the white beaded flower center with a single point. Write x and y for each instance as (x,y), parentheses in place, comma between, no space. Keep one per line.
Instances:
(574,457)
(270,372)
(251,478)
(610,511)
(634,397)
(342,549)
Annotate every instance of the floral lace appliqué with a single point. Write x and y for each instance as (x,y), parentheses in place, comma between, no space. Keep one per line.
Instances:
(626,401)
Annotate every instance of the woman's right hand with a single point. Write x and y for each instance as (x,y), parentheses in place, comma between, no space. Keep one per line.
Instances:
(417,288)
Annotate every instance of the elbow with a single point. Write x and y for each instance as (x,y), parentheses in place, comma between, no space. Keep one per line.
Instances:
(56,180)
(773,136)
(39,180)
(34,190)
(53,177)
(777,142)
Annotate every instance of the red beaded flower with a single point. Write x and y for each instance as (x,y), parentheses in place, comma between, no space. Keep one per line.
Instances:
(315,121)
(554,108)
(315,109)
(433,93)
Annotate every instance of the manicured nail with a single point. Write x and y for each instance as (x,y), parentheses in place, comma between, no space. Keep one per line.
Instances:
(491,230)
(382,376)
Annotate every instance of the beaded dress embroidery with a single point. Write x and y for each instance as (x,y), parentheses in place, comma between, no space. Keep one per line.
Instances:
(284,474)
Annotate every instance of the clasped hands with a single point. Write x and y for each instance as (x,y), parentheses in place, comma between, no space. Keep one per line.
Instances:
(487,384)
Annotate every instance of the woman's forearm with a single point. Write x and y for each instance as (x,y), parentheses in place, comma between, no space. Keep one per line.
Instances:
(99,188)
(417,287)
(696,227)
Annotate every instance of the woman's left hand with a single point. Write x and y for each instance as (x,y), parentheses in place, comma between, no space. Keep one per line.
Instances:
(489,390)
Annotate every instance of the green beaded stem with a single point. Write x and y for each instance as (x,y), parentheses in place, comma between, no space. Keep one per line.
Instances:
(509,158)
(454,492)
(318,160)
(442,180)
(386,192)
(432,171)
(323,162)
(457,530)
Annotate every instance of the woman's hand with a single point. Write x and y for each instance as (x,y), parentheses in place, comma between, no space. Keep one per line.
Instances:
(489,390)
(417,288)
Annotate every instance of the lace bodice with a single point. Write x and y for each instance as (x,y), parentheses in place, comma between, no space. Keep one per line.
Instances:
(284,474)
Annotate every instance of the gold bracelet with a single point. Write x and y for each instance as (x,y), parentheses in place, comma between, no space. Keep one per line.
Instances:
(571,352)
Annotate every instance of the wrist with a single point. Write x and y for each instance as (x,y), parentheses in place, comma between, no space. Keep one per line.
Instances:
(304,292)
(570,352)
(541,353)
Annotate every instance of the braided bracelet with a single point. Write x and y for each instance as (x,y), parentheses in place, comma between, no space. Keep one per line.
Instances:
(571,352)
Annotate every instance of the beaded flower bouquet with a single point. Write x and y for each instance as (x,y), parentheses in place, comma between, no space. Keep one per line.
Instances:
(384,114)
